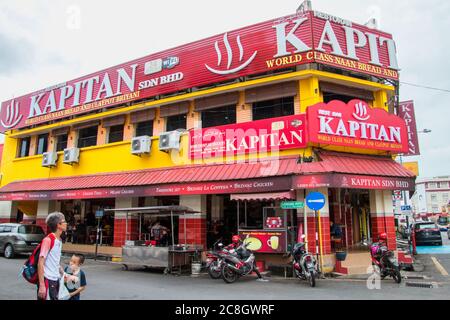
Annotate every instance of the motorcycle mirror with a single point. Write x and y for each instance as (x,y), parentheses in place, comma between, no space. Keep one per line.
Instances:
(303,236)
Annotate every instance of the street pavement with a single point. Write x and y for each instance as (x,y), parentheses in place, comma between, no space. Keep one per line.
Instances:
(108,281)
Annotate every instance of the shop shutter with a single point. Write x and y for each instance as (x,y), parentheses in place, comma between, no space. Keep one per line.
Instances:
(174,109)
(84,125)
(61,131)
(114,121)
(346,91)
(216,101)
(143,115)
(279,90)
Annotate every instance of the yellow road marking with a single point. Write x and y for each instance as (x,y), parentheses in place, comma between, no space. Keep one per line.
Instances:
(439,267)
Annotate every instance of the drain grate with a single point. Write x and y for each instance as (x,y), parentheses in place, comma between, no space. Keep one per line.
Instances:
(428,285)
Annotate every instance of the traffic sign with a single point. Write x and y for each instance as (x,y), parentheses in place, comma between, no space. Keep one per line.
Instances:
(99,213)
(292,205)
(315,201)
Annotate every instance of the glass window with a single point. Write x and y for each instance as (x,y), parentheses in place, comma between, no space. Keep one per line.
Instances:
(273,108)
(115,134)
(445,197)
(42,144)
(432,185)
(24,147)
(433,197)
(219,116)
(444,185)
(30,229)
(87,137)
(328,96)
(424,226)
(176,122)
(61,142)
(144,128)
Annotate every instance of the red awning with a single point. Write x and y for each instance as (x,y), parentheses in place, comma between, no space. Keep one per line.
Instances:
(334,162)
(264,196)
(194,173)
(330,163)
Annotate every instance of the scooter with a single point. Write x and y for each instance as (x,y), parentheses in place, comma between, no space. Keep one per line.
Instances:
(384,262)
(214,260)
(304,264)
(237,264)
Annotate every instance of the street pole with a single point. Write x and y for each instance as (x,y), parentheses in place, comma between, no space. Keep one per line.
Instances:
(320,241)
(96,238)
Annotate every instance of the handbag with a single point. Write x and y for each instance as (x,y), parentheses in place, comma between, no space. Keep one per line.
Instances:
(63,293)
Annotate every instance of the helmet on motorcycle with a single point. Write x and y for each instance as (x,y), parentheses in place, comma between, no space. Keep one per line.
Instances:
(235,239)
(382,236)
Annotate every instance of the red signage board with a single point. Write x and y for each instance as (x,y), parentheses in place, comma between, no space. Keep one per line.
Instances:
(216,187)
(263,241)
(356,125)
(267,46)
(261,136)
(406,112)
(352,182)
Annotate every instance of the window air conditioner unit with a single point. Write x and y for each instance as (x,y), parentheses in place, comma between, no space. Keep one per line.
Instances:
(71,155)
(169,140)
(49,159)
(140,145)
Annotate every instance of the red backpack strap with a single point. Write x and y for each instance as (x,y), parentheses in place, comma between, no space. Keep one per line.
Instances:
(52,240)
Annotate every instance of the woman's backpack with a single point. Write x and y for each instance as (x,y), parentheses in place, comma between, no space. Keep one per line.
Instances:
(30,267)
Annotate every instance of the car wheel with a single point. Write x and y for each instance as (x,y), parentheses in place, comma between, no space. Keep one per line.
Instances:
(9,251)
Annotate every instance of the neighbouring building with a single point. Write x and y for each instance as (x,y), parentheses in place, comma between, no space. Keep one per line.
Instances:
(432,196)
(236,126)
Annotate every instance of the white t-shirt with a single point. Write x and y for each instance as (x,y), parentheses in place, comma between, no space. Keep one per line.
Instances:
(52,258)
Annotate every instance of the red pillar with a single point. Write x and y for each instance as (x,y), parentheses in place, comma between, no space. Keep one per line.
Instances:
(382,224)
(120,230)
(41,222)
(195,231)
(326,238)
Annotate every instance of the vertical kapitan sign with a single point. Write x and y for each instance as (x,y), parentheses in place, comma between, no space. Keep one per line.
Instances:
(406,112)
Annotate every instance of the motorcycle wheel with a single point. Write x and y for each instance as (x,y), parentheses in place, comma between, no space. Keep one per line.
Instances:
(396,275)
(312,279)
(214,271)
(228,275)
(376,269)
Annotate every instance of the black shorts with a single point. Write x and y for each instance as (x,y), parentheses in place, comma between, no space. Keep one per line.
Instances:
(52,289)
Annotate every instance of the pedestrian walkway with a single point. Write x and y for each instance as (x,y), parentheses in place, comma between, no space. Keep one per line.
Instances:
(90,249)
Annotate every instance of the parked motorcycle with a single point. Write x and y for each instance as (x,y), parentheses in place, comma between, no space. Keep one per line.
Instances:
(304,264)
(384,262)
(237,264)
(214,260)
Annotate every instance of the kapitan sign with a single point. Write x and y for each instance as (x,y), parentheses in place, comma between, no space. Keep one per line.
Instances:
(261,136)
(276,44)
(356,125)
(406,112)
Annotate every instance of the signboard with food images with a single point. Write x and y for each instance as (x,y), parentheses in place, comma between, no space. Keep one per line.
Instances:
(274,222)
(263,241)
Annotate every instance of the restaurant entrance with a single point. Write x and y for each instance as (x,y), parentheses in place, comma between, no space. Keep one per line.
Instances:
(350,219)
(82,222)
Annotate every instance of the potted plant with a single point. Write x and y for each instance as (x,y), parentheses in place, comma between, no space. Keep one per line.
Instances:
(341,255)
